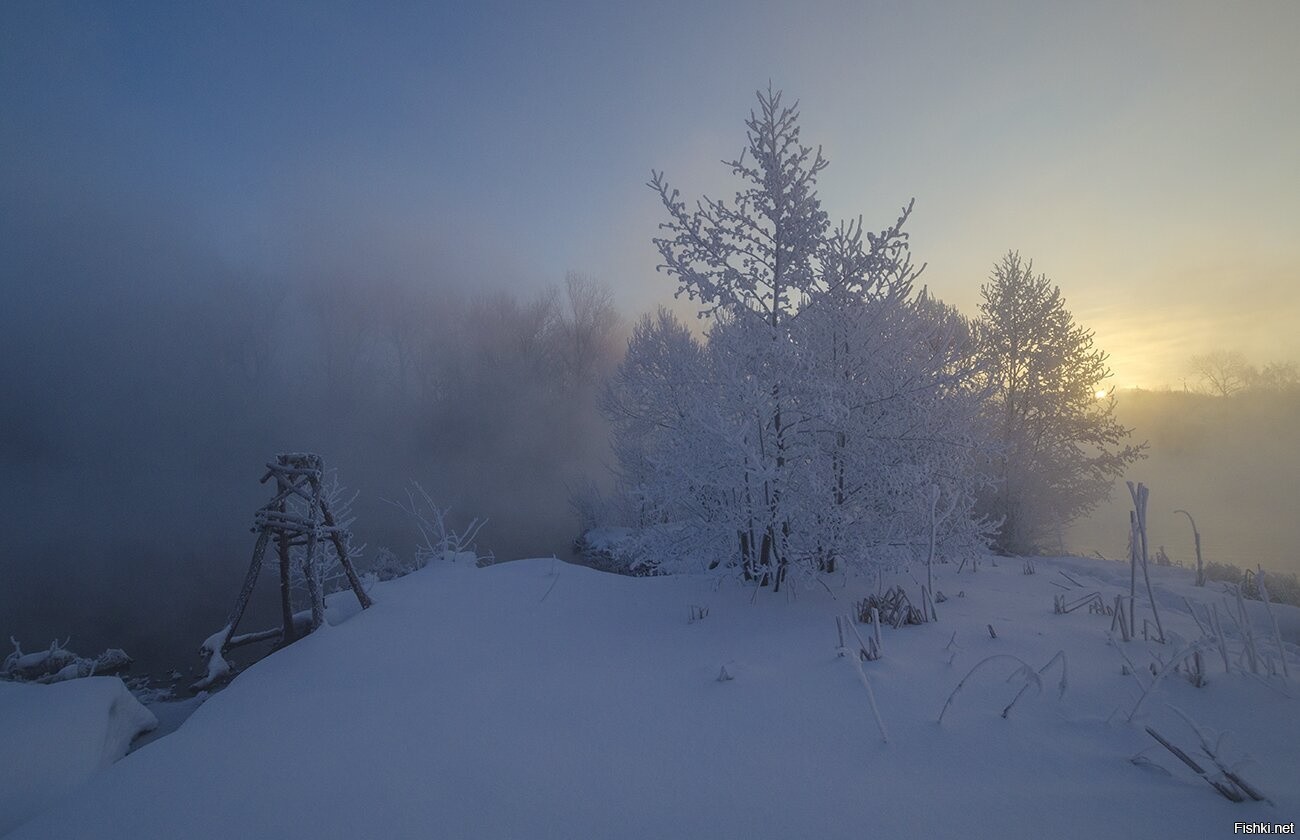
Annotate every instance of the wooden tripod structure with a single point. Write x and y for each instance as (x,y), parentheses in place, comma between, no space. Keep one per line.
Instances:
(296,474)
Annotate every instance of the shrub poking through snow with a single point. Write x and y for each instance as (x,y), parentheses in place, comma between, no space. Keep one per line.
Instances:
(893,607)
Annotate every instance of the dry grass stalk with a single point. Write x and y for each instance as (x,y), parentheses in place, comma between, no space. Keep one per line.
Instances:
(1277,633)
(1222,788)
(871,697)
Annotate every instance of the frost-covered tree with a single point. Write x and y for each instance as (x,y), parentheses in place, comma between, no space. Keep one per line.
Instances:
(890,397)
(751,264)
(828,399)
(1061,447)
(1277,377)
(1224,372)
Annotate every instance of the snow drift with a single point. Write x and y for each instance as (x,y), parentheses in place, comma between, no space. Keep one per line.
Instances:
(55,737)
(541,700)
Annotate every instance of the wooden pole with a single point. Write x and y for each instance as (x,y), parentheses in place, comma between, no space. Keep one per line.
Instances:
(314,587)
(339,546)
(250,579)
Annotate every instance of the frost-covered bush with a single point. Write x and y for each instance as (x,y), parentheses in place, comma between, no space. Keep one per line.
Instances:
(1283,588)
(612,549)
(1223,571)
(439,538)
(387,565)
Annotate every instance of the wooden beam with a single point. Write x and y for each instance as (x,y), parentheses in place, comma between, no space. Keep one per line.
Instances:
(250,579)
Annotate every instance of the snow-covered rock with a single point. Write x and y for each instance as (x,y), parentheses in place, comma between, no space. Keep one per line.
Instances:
(53,738)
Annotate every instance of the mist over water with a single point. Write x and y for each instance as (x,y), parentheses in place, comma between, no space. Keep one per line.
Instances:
(1232,462)
(147,384)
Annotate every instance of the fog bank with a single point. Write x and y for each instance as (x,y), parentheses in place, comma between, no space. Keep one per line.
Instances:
(1232,462)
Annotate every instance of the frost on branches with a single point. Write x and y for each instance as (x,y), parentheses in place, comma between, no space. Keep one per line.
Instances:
(829,402)
(1060,446)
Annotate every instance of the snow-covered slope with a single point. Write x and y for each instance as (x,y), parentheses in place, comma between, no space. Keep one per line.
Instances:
(537,699)
(55,737)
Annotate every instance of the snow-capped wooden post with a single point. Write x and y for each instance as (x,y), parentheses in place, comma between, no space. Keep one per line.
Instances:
(296,474)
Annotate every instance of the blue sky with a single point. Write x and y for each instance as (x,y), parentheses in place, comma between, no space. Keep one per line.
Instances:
(1144,155)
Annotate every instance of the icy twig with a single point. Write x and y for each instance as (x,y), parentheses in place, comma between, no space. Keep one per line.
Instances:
(1060,654)
(1024,669)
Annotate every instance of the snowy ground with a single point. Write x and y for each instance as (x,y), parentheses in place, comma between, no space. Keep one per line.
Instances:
(53,738)
(537,699)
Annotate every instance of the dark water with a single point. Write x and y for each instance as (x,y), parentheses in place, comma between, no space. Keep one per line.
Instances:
(159,604)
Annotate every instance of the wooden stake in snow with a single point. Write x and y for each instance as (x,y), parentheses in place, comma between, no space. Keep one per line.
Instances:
(296,474)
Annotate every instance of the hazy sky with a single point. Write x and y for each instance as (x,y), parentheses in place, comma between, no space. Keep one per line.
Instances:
(1145,155)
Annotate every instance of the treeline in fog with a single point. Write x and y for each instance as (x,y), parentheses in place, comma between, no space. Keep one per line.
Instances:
(146,384)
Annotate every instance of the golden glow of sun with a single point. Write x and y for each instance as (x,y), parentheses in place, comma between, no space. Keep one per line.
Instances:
(1100,394)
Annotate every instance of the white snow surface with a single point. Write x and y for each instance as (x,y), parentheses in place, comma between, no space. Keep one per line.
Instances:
(55,737)
(537,699)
